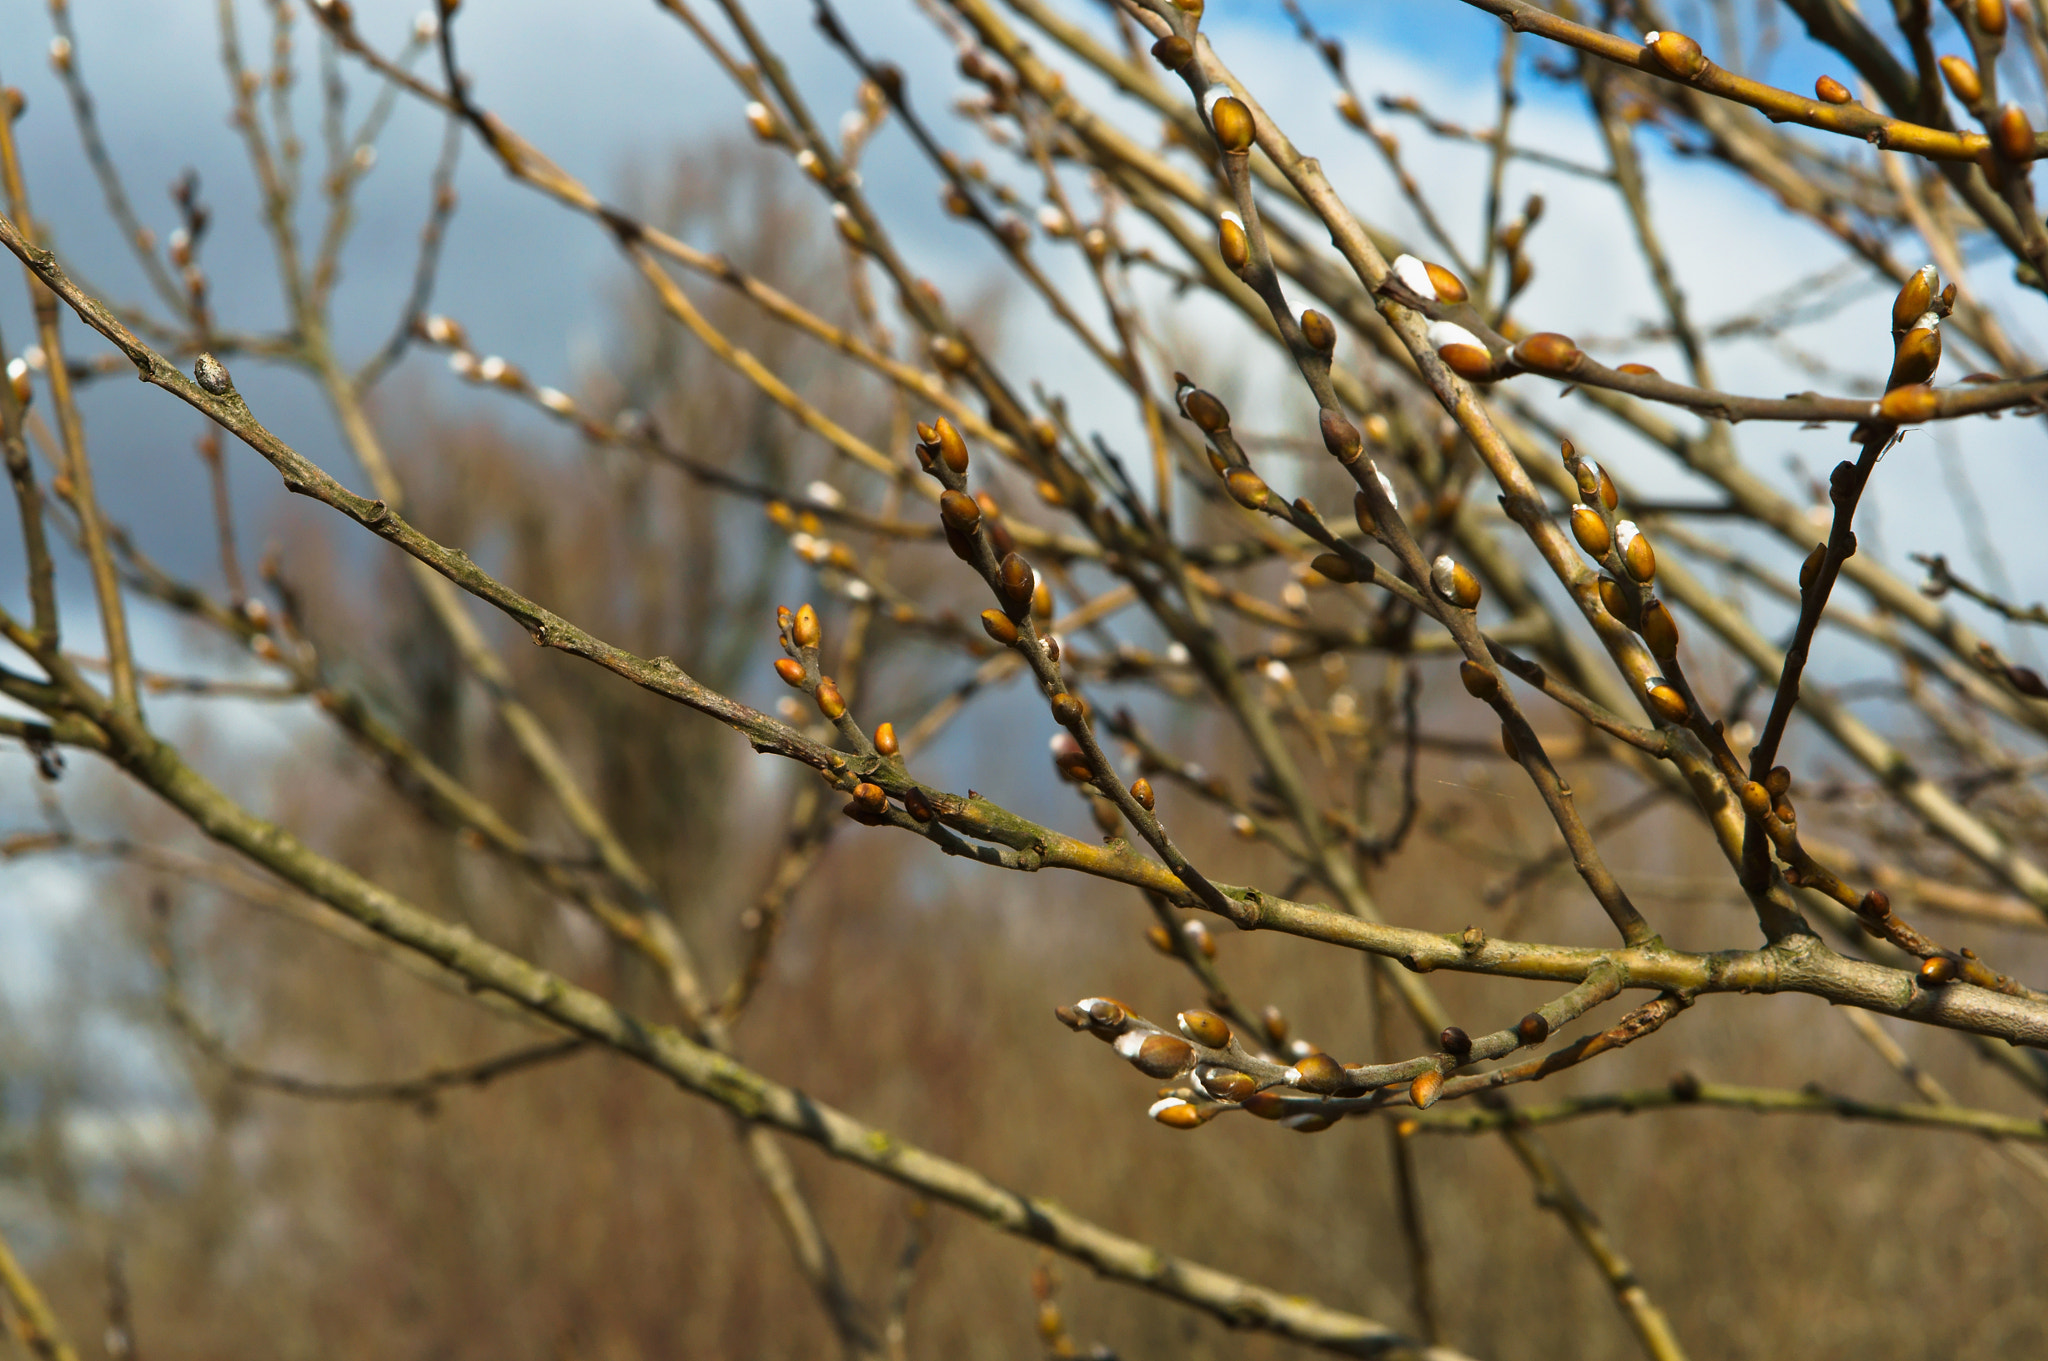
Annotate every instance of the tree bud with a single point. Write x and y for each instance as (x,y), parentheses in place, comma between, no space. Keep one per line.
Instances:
(1589,527)
(1232,123)
(1547,352)
(1532,1029)
(959,511)
(1659,629)
(791,670)
(1159,1056)
(1962,79)
(1226,1084)
(1428,1085)
(1454,584)
(1417,277)
(1340,436)
(1612,599)
(1938,971)
(1917,356)
(1018,583)
(917,805)
(1991,17)
(1909,405)
(1635,551)
(1831,91)
(212,375)
(952,448)
(998,626)
(1462,352)
(2013,134)
(1206,411)
(1232,244)
(1480,683)
(1247,488)
(1141,790)
(1317,1073)
(1319,331)
(1205,1028)
(1334,567)
(804,630)
(870,796)
(829,702)
(1676,54)
(1455,1042)
(1665,701)
(1173,52)
(1449,287)
(1066,710)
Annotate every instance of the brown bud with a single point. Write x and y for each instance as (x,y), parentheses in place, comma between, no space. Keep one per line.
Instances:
(1232,245)
(1066,709)
(1017,582)
(1659,629)
(1361,511)
(1677,54)
(1809,571)
(1636,554)
(917,805)
(1756,800)
(1163,1056)
(804,631)
(1916,356)
(1173,52)
(1428,1085)
(1455,1042)
(1909,405)
(1309,1122)
(1449,287)
(1041,599)
(960,511)
(952,448)
(1454,584)
(1470,362)
(1199,935)
(829,702)
(1160,938)
(1938,971)
(870,796)
(1334,567)
(1613,599)
(1480,683)
(1875,905)
(1915,298)
(1340,436)
(1319,331)
(1532,1029)
(1275,1022)
(1589,527)
(1268,1105)
(1205,1028)
(1507,744)
(885,739)
(1991,17)
(1685,1087)
(1232,123)
(1778,780)
(1831,91)
(961,544)
(1319,1073)
(1665,701)
(1176,1113)
(1962,79)
(1247,488)
(791,670)
(2013,134)
(1141,790)
(1227,1084)
(1547,352)
(998,626)
(1640,370)
(1206,411)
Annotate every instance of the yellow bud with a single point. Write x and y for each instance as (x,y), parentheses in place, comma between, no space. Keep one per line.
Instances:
(1831,91)
(1247,488)
(1590,529)
(1677,54)
(1232,123)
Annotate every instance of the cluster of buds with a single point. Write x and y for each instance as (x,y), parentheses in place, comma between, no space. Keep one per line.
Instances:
(1917,313)
(1220,1071)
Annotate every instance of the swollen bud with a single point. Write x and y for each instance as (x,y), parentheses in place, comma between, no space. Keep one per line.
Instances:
(1462,352)
(1173,52)
(1532,1029)
(1454,584)
(2013,134)
(1247,488)
(1547,352)
(1141,790)
(1677,54)
(1335,568)
(791,670)
(1909,405)
(1480,683)
(1665,701)
(1915,297)
(1232,123)
(999,627)
(1831,91)
(1962,79)
(1455,1042)
(1206,410)
(1426,1088)
(1659,629)
(1232,244)
(1589,527)
(952,448)
(829,702)
(1205,1028)
(804,631)
(1938,971)
(1635,551)
(959,511)
(1319,331)
(1318,1073)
